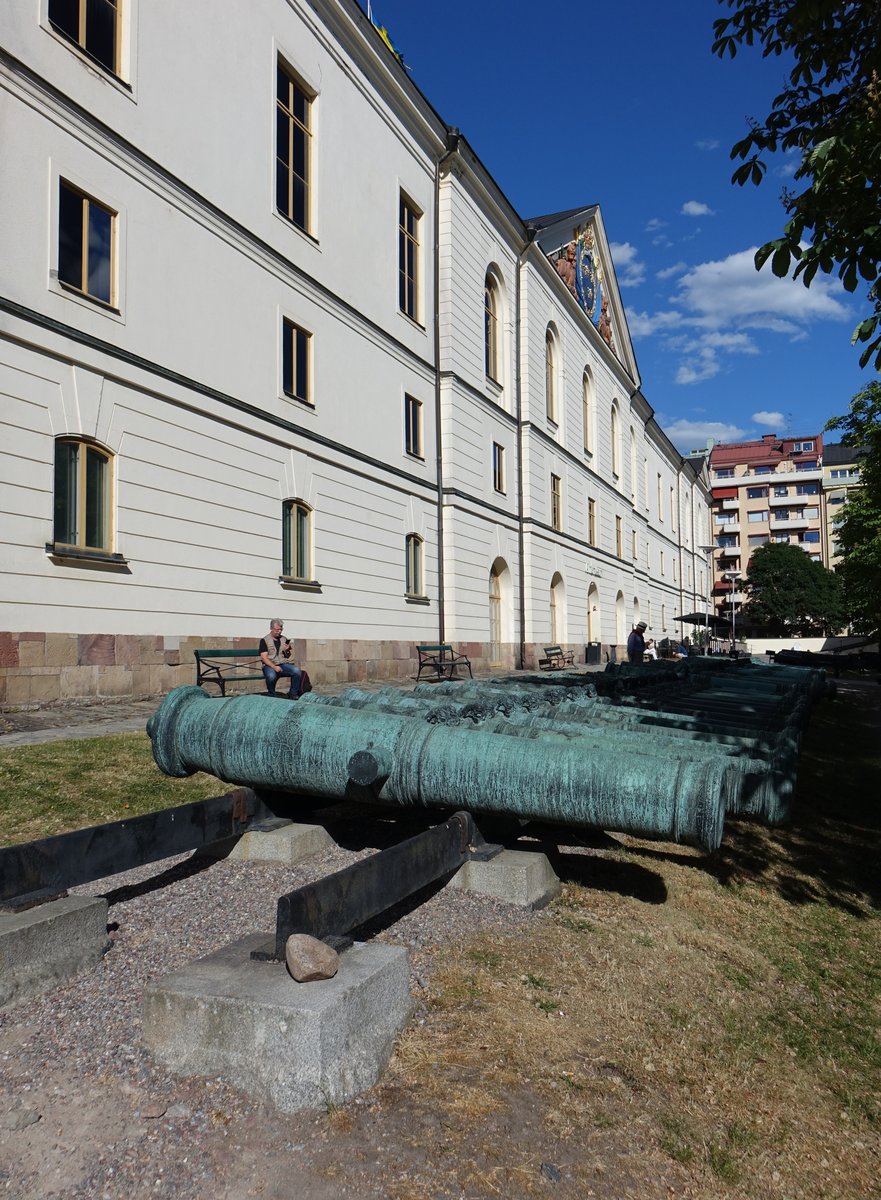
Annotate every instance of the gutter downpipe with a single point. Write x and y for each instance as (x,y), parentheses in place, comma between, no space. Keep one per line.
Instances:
(521,532)
(452,148)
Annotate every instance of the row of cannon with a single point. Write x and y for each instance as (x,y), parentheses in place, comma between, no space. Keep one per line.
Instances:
(656,751)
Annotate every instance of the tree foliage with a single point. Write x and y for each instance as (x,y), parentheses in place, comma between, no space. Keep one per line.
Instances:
(859,529)
(829,111)
(789,594)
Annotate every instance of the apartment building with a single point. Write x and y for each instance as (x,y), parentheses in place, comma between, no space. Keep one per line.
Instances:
(273,342)
(768,490)
(841,476)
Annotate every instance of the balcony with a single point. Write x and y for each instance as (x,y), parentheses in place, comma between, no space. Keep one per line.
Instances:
(729,505)
(779,524)
(726,527)
(801,476)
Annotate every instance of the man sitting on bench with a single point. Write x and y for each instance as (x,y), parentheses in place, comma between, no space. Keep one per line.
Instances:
(274,648)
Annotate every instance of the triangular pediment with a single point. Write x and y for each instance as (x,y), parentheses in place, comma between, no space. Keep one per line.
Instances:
(576,245)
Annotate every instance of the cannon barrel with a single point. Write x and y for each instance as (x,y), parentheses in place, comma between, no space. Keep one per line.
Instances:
(400,760)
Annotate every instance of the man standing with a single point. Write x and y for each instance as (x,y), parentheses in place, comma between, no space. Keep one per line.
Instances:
(636,643)
(274,648)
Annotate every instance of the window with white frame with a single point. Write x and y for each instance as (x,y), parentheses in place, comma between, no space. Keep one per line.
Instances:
(556,502)
(550,375)
(86,244)
(587,411)
(296,540)
(498,468)
(413,426)
(92,25)
(491,328)
(296,362)
(293,149)
(592,520)
(413,569)
(82,496)
(615,427)
(409,219)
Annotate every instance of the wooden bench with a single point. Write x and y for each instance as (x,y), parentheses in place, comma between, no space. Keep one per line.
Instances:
(228,666)
(556,658)
(441,662)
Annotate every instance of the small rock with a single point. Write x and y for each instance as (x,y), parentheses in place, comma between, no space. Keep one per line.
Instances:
(19,1118)
(551,1172)
(153,1110)
(179,1111)
(309,959)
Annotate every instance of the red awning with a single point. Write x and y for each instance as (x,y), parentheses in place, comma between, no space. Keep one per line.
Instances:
(724,493)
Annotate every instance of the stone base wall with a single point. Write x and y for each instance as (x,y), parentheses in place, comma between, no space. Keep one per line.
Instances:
(37,669)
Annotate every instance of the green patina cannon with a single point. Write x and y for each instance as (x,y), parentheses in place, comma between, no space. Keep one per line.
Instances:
(400,759)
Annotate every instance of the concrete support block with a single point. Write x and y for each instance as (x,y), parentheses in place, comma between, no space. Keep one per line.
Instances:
(522,877)
(297,1045)
(45,945)
(281,842)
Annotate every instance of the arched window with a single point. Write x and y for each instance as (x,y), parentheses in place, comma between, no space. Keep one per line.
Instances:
(620,620)
(616,442)
(557,605)
(551,383)
(413,549)
(296,540)
(587,411)
(491,328)
(83,479)
(633,464)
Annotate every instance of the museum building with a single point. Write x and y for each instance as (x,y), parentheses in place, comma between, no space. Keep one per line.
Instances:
(273,342)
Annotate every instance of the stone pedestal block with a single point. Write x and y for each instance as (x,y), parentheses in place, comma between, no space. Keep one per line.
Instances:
(522,877)
(45,945)
(296,1045)
(281,842)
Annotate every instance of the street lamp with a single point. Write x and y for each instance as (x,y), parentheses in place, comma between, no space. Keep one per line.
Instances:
(709,551)
(733,576)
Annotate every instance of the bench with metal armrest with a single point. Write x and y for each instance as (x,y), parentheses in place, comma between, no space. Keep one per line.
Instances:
(228,666)
(441,661)
(556,658)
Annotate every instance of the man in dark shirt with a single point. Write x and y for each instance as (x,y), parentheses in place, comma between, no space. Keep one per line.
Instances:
(273,649)
(636,643)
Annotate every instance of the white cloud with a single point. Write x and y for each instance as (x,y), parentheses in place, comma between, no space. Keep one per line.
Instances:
(694,435)
(654,224)
(774,420)
(629,271)
(723,308)
(669,272)
(695,208)
(733,290)
(707,144)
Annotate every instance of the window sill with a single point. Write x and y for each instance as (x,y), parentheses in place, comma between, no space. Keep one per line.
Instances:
(308,404)
(75,557)
(69,292)
(290,584)
(291,224)
(424,600)
(417,324)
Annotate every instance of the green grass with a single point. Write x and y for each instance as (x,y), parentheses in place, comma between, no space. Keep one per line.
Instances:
(54,787)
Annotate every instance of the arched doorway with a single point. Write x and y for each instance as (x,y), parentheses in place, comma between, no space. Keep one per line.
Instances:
(499,610)
(594,616)
(620,620)
(558,609)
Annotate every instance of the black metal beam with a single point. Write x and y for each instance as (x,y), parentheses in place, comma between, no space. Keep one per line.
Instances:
(57,863)
(330,907)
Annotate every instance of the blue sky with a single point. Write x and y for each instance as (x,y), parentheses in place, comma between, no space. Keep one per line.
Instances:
(625,106)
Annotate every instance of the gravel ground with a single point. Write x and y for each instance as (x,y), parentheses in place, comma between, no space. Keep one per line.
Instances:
(84,1111)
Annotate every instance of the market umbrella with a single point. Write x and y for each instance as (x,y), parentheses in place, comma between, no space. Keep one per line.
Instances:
(705,619)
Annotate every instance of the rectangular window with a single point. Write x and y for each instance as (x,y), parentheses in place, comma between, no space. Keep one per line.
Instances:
(725,518)
(662,562)
(82,496)
(635,546)
(725,473)
(413,582)
(757,539)
(802,447)
(93,25)
(413,426)
(296,551)
(556,503)
(660,498)
(592,521)
(498,467)
(812,536)
(619,537)
(296,364)
(780,489)
(761,514)
(86,244)
(807,489)
(757,493)
(781,537)
(806,466)
(761,471)
(408,258)
(293,149)
(811,514)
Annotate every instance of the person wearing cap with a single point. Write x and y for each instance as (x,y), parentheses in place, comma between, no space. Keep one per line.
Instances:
(636,643)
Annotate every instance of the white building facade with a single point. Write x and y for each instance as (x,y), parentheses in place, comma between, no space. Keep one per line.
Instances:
(273,343)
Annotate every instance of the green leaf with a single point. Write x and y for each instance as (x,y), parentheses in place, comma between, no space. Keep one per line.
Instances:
(780,262)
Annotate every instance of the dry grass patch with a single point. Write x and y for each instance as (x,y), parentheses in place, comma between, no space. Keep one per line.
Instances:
(719,1039)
